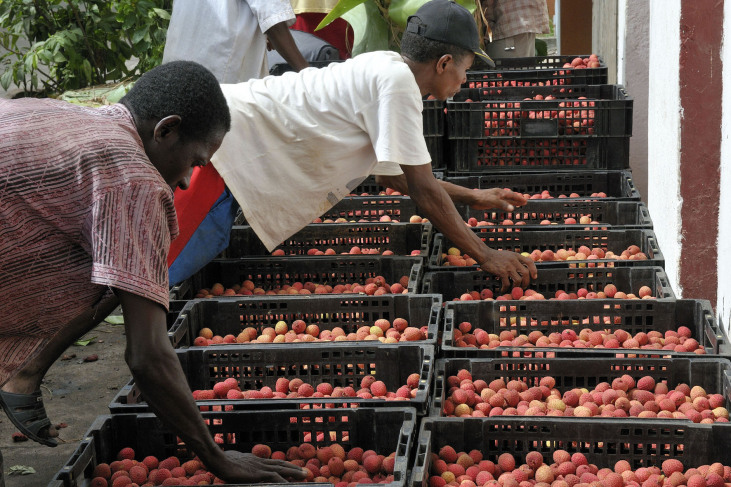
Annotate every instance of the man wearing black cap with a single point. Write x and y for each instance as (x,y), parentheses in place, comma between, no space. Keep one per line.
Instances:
(300,142)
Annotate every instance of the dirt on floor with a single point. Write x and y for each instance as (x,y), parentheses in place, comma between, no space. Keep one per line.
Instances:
(75,392)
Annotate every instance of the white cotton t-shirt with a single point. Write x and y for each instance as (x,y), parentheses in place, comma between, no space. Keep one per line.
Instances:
(225,36)
(301,142)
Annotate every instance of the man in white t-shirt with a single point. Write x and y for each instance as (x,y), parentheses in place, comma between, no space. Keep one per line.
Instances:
(301,142)
(229,37)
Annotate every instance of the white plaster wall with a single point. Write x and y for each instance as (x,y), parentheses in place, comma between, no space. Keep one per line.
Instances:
(723,306)
(663,145)
(634,74)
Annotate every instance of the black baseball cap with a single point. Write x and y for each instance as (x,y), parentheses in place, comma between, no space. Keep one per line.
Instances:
(448,22)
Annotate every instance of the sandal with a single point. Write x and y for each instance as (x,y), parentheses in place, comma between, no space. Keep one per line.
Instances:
(27,413)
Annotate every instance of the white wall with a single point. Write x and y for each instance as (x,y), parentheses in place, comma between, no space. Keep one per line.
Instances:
(633,72)
(723,307)
(663,146)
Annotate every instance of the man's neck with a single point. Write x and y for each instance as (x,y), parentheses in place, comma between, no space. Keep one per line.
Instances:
(420,72)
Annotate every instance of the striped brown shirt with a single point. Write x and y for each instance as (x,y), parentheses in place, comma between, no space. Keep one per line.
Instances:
(82,209)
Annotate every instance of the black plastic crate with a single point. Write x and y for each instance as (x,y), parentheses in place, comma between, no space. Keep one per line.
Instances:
(400,238)
(340,364)
(435,144)
(576,111)
(504,131)
(271,272)
(452,284)
(364,209)
(536,154)
(536,71)
(713,374)
(603,441)
(616,184)
(231,315)
(622,214)
(384,430)
(528,240)
(633,316)
(371,188)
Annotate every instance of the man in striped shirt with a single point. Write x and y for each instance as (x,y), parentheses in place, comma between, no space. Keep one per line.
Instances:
(86,220)
(514,25)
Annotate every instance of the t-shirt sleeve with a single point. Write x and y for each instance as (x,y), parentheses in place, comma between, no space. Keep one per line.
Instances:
(272,12)
(395,125)
(130,232)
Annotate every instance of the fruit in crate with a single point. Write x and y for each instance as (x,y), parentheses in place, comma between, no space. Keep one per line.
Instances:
(454,256)
(371,286)
(369,388)
(466,335)
(323,464)
(609,291)
(298,331)
(355,250)
(451,467)
(624,397)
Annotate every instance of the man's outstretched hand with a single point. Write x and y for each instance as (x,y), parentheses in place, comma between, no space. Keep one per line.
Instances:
(510,267)
(497,198)
(245,468)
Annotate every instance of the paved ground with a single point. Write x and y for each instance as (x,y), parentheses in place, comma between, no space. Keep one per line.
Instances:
(74,392)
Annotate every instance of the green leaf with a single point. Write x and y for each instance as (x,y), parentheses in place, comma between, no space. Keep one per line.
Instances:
(6,79)
(370,29)
(84,342)
(338,10)
(400,10)
(86,69)
(21,470)
(115,319)
(163,14)
(140,34)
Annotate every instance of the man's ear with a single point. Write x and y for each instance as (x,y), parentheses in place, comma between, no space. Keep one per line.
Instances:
(443,62)
(166,127)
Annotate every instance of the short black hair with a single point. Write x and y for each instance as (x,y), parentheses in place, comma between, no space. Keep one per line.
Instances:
(422,50)
(182,88)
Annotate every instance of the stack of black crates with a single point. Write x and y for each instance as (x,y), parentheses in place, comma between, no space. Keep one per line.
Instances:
(529,125)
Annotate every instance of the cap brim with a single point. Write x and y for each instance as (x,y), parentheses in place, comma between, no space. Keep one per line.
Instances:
(483,57)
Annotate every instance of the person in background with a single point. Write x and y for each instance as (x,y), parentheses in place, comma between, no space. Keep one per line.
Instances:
(338,33)
(229,37)
(300,142)
(86,219)
(514,25)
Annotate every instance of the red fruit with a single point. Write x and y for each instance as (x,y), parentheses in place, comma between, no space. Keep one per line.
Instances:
(126,453)
(99,482)
(610,290)
(448,454)
(506,462)
(696,480)
(646,383)
(534,459)
(157,477)
(671,465)
(579,459)
(102,470)
(714,480)
(261,451)
(150,462)
(138,474)
(122,481)
(372,463)
(378,388)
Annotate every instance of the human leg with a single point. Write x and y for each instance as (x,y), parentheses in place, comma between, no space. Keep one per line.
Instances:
(521,45)
(21,397)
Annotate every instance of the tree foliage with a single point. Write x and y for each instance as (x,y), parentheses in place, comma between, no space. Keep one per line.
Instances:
(50,46)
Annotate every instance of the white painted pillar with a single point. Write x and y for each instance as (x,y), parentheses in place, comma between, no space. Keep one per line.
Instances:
(663,146)
(723,307)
